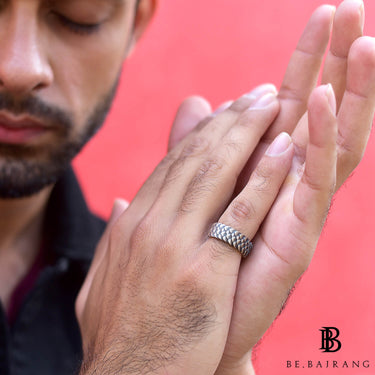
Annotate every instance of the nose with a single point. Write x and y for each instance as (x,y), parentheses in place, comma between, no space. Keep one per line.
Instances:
(24,67)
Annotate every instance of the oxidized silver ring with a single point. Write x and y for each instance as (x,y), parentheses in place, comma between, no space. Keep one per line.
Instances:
(232,237)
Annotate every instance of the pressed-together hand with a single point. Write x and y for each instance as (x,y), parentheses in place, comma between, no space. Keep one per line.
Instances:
(286,242)
(159,296)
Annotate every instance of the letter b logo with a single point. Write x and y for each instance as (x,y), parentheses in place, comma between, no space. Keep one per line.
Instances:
(330,343)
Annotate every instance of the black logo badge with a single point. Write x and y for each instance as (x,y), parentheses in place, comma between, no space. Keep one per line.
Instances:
(330,343)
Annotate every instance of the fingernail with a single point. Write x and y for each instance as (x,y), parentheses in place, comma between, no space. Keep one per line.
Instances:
(119,206)
(261,90)
(333,12)
(263,101)
(331,98)
(279,145)
(361,10)
(362,14)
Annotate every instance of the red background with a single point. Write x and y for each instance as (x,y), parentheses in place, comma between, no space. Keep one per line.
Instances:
(220,49)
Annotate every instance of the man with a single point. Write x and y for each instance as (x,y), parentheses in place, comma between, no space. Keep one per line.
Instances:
(161,296)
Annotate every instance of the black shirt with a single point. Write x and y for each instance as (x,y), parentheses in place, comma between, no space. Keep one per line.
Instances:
(45,339)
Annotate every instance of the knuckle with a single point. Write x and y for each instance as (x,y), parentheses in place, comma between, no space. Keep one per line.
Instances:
(203,124)
(350,156)
(312,183)
(203,183)
(263,171)
(174,172)
(197,146)
(241,104)
(246,120)
(262,178)
(211,167)
(207,171)
(291,93)
(306,53)
(116,231)
(158,175)
(197,190)
(143,235)
(242,209)
(232,146)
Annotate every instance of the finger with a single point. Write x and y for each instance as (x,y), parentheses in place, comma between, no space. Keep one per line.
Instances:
(222,107)
(347,27)
(247,211)
(356,112)
(119,207)
(204,182)
(279,255)
(319,176)
(302,71)
(194,146)
(306,194)
(189,114)
(357,109)
(299,80)
(267,87)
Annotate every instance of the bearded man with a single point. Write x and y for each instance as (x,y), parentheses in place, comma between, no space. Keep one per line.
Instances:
(166,291)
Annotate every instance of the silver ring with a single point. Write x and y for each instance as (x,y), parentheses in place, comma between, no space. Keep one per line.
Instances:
(232,237)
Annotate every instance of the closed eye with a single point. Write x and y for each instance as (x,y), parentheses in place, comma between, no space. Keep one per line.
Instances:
(79,28)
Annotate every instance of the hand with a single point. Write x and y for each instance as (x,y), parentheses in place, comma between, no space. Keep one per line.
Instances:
(350,68)
(159,295)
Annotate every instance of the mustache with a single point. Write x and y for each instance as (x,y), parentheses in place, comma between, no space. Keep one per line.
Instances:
(36,107)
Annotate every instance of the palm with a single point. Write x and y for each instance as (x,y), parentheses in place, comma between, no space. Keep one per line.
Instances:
(286,241)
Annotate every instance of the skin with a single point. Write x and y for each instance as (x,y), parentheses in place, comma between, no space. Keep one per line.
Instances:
(349,67)
(47,57)
(329,141)
(348,63)
(40,56)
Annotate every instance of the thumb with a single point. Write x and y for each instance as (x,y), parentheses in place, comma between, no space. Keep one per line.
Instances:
(191,111)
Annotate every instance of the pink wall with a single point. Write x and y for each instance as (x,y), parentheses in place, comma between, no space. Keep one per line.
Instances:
(220,49)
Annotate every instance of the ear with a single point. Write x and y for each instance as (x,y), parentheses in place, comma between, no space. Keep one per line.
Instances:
(144,12)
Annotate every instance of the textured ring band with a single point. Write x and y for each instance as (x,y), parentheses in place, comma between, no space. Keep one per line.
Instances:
(232,237)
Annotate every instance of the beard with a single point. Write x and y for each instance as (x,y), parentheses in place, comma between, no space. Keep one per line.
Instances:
(26,170)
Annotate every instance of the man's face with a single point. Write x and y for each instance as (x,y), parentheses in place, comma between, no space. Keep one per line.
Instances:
(60,61)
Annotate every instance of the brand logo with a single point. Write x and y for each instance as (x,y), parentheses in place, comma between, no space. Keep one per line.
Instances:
(330,342)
